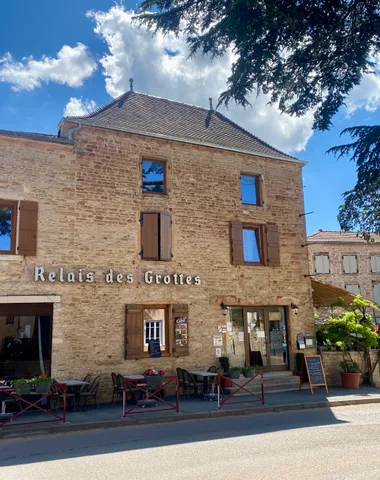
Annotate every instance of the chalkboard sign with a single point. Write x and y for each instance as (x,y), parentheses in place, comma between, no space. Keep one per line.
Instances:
(313,372)
(154,348)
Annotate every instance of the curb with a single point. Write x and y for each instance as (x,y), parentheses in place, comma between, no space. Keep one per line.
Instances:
(41,430)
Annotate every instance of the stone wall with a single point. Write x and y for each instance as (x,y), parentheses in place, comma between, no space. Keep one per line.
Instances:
(331,362)
(90,199)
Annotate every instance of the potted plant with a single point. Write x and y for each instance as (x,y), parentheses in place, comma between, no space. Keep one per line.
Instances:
(351,374)
(42,383)
(234,372)
(22,386)
(154,378)
(224,363)
(249,371)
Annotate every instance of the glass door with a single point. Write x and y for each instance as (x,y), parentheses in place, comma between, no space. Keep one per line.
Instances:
(266,339)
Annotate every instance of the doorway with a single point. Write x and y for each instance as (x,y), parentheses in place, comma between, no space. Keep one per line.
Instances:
(266,344)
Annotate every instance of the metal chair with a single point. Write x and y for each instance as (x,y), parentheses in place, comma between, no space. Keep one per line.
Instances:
(117,387)
(213,369)
(85,388)
(190,383)
(181,381)
(92,392)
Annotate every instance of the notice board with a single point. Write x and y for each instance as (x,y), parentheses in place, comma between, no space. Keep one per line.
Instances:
(313,372)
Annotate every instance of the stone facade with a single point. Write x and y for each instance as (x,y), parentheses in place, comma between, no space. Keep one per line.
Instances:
(89,202)
(331,362)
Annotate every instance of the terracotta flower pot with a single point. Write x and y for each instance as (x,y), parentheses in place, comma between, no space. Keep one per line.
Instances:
(350,380)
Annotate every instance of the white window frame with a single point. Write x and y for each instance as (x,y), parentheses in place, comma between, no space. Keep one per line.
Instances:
(324,263)
(158,324)
(375,263)
(350,264)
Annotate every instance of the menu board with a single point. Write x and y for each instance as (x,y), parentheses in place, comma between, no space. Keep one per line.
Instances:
(181,331)
(154,348)
(313,372)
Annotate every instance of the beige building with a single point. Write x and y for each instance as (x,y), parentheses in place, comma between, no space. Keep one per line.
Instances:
(346,261)
(147,221)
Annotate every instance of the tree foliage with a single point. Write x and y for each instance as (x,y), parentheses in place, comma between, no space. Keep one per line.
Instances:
(306,55)
(5,221)
(361,207)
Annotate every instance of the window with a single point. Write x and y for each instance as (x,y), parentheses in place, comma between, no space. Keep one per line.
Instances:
(251,245)
(354,289)
(156,236)
(375,263)
(254,244)
(321,264)
(349,264)
(153,176)
(250,187)
(376,293)
(166,323)
(8,225)
(154,326)
(18,227)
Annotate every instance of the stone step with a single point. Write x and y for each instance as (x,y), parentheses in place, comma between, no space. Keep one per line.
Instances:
(281,387)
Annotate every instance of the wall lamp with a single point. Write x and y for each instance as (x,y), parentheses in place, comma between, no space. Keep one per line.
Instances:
(224,308)
(294,308)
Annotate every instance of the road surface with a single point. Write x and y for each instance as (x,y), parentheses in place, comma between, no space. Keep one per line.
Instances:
(341,443)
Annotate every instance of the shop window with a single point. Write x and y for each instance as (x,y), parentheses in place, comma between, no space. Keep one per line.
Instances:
(375,263)
(166,323)
(321,264)
(18,221)
(156,236)
(254,244)
(250,188)
(350,264)
(25,340)
(153,176)
(353,288)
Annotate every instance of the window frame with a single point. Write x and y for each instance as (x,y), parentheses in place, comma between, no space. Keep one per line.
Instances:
(373,292)
(157,160)
(166,327)
(261,243)
(13,204)
(356,261)
(259,196)
(352,285)
(370,263)
(321,254)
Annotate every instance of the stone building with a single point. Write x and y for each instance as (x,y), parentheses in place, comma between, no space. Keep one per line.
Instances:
(148,220)
(346,261)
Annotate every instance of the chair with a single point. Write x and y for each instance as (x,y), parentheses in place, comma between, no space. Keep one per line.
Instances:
(181,381)
(85,388)
(92,393)
(190,383)
(57,397)
(213,369)
(117,387)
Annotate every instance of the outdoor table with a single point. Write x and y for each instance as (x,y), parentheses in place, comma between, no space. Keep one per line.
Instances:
(75,385)
(205,375)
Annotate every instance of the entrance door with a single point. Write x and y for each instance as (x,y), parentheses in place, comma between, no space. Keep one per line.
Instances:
(266,339)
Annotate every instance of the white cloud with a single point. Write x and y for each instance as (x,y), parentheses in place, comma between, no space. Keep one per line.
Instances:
(78,107)
(133,52)
(367,94)
(71,67)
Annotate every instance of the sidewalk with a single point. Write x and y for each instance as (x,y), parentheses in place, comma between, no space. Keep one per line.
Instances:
(110,415)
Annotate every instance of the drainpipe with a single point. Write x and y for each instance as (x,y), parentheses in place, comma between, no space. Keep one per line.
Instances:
(73,130)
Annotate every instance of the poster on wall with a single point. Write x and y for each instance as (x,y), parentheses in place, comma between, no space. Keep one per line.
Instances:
(180,331)
(218,352)
(241,336)
(229,327)
(222,329)
(218,340)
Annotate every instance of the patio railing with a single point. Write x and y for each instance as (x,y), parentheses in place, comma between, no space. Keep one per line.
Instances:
(241,389)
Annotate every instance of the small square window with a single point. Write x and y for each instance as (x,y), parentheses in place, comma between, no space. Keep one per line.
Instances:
(251,245)
(250,189)
(8,212)
(153,176)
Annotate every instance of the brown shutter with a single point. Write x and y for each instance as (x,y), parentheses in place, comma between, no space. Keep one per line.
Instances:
(273,245)
(165,236)
(27,240)
(133,332)
(149,236)
(237,252)
(180,312)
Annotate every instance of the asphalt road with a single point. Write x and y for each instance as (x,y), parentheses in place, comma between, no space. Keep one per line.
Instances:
(342,443)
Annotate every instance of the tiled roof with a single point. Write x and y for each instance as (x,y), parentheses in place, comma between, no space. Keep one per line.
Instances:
(338,237)
(43,137)
(144,114)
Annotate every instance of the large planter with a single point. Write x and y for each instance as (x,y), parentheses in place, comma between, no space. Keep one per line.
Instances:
(43,388)
(23,389)
(154,381)
(350,380)
(235,374)
(249,373)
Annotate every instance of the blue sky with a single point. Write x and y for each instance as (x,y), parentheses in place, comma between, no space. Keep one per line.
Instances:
(81,61)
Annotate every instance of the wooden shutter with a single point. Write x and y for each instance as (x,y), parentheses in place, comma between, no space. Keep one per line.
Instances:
(353,288)
(325,264)
(376,293)
(349,264)
(165,236)
(149,236)
(375,264)
(353,264)
(133,332)
(180,312)
(273,245)
(27,239)
(237,251)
